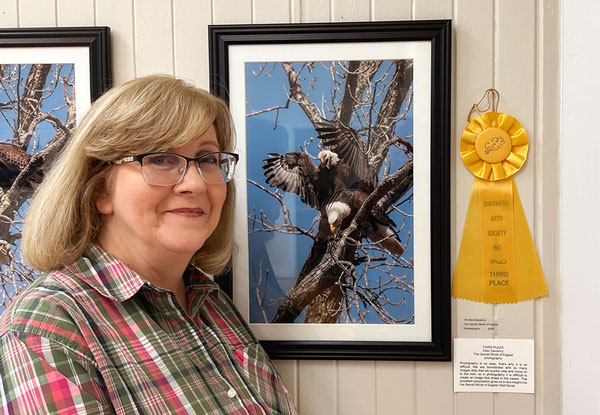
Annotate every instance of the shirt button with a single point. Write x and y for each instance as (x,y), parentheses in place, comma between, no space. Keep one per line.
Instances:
(231,393)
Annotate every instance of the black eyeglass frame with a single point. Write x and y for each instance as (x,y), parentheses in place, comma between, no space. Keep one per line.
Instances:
(140,157)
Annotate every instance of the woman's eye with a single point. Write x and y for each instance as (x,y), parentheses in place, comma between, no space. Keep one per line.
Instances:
(162,161)
(210,159)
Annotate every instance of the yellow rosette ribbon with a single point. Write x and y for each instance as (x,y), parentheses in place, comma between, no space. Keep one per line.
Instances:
(497,262)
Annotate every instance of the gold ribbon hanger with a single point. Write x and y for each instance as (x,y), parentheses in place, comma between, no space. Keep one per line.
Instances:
(493,99)
(497,262)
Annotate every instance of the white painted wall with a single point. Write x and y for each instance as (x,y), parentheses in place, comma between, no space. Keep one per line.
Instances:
(511,45)
(580,205)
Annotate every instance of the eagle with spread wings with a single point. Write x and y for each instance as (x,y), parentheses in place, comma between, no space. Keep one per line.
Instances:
(337,188)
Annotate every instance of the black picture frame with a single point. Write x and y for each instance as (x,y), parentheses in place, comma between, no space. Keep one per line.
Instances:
(95,38)
(437,34)
(86,51)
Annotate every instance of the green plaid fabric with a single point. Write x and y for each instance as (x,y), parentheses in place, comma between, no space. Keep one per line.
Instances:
(96,338)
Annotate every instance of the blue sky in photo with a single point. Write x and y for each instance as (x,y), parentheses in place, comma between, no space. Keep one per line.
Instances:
(283,254)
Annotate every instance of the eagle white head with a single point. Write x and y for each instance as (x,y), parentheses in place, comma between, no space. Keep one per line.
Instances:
(329,158)
(336,213)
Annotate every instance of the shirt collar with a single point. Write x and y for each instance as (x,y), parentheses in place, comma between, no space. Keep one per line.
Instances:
(113,279)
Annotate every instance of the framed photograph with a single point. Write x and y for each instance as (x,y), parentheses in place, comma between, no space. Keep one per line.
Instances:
(343,186)
(48,79)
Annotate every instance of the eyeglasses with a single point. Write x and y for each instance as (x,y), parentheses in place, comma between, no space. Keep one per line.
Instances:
(168,169)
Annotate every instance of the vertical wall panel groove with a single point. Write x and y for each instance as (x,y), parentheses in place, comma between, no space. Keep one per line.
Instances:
(190,40)
(395,388)
(289,373)
(225,11)
(432,9)
(66,15)
(271,11)
(433,376)
(316,10)
(153,37)
(514,78)
(391,9)
(350,10)
(37,13)
(9,13)
(356,385)
(173,33)
(547,232)
(317,387)
(433,388)
(474,39)
(118,15)
(296,11)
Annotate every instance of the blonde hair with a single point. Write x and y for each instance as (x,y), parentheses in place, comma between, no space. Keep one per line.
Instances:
(153,113)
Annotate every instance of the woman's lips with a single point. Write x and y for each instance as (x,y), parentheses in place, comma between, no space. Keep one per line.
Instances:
(187,212)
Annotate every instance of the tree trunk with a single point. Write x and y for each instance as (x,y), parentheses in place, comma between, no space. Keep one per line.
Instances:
(327,307)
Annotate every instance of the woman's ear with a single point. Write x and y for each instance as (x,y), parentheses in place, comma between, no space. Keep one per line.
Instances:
(105,205)
(103,192)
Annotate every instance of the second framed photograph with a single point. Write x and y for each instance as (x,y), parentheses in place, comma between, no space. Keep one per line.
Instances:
(343,199)
(49,78)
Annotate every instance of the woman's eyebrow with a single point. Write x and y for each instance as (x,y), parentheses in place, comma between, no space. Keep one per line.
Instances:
(207,148)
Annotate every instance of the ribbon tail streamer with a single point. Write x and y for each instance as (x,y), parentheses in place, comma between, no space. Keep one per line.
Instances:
(531,284)
(497,262)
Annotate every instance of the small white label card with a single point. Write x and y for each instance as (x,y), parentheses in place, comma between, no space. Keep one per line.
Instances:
(480,326)
(493,365)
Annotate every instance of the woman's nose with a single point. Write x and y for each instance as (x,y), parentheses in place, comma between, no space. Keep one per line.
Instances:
(192,179)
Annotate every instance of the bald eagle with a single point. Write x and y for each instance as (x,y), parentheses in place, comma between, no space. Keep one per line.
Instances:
(297,173)
(344,176)
(377,226)
(12,161)
(350,146)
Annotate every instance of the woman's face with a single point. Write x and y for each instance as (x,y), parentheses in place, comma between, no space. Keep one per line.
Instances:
(157,221)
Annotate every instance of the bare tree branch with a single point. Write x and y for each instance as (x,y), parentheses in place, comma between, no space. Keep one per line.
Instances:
(358,78)
(390,107)
(310,109)
(30,104)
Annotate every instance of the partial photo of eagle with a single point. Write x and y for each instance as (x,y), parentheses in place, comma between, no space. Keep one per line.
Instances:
(338,187)
(344,164)
(12,161)
(297,173)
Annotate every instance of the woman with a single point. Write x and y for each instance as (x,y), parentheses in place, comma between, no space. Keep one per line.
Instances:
(124,321)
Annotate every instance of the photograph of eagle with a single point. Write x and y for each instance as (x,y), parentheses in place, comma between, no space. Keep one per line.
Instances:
(38,108)
(330,192)
(338,187)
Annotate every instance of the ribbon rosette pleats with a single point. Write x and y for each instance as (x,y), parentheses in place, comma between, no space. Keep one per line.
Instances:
(497,262)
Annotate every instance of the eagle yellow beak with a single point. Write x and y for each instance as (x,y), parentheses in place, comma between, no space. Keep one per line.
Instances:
(332,228)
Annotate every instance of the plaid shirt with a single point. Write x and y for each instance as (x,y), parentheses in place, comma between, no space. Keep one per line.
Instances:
(96,338)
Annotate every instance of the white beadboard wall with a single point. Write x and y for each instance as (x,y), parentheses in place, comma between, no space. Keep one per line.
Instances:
(511,45)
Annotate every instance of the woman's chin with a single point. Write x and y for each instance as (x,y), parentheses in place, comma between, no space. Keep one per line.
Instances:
(184,246)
